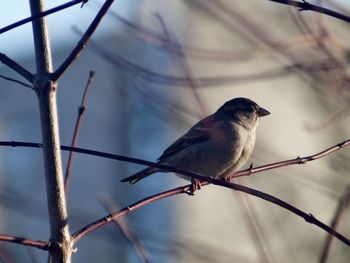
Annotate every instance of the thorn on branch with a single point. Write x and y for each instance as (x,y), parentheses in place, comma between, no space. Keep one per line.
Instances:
(81,110)
(310,218)
(342,144)
(300,160)
(251,167)
(83,3)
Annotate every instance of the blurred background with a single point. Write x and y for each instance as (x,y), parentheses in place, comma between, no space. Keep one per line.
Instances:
(160,66)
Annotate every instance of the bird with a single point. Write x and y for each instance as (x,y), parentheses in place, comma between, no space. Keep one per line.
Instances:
(216,146)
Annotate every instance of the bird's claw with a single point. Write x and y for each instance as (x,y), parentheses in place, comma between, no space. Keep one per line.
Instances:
(195,185)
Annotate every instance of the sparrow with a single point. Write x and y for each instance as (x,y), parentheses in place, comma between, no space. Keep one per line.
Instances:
(216,146)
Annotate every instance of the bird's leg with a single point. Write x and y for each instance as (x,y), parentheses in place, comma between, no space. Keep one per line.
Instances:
(195,185)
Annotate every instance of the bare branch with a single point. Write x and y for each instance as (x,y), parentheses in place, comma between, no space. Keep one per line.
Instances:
(185,189)
(26,242)
(298,160)
(342,205)
(42,14)
(309,218)
(16,81)
(46,92)
(82,42)
(77,128)
(304,6)
(16,67)
(249,171)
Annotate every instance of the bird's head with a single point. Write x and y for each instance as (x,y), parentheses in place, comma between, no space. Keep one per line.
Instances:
(242,110)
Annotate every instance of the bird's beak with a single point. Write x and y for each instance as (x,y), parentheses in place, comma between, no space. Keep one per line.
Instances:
(262,112)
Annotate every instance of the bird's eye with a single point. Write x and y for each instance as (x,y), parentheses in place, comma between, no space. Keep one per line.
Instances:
(251,109)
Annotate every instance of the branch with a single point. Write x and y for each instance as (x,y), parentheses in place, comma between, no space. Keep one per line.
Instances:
(249,171)
(342,205)
(304,6)
(77,128)
(159,78)
(46,92)
(298,160)
(42,14)
(16,67)
(185,189)
(26,242)
(15,81)
(82,42)
(184,65)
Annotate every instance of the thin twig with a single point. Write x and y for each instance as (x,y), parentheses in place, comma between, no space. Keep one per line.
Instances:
(82,42)
(16,81)
(298,160)
(77,128)
(123,158)
(125,228)
(16,67)
(105,220)
(24,241)
(342,205)
(304,6)
(207,180)
(45,13)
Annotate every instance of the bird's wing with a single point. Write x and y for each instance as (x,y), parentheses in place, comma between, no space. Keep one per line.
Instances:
(198,133)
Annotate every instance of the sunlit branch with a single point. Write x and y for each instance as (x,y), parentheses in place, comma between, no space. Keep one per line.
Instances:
(82,42)
(42,14)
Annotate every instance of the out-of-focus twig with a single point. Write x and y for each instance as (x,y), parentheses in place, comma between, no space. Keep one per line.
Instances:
(125,228)
(32,256)
(172,43)
(342,205)
(77,128)
(6,256)
(304,6)
(205,82)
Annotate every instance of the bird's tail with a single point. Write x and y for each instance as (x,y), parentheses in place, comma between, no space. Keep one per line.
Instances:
(133,179)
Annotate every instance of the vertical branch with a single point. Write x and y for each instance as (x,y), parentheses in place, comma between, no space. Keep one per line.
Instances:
(46,91)
(342,205)
(82,109)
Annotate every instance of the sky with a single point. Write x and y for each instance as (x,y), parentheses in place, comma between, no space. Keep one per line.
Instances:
(18,42)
